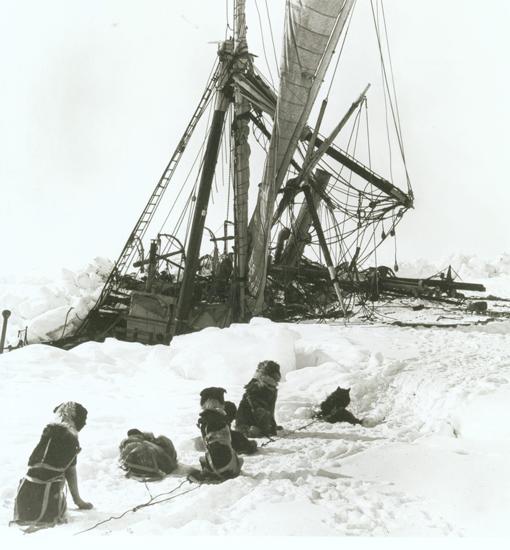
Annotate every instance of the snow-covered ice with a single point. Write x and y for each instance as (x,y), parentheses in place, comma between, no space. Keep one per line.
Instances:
(49,304)
(433,463)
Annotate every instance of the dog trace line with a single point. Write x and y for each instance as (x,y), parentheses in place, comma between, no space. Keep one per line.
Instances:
(273,439)
(151,502)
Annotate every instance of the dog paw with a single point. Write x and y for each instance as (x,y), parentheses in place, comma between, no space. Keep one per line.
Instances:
(370,422)
(195,476)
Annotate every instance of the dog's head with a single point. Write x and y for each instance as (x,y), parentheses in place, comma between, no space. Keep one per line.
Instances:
(268,373)
(71,413)
(212,398)
(340,397)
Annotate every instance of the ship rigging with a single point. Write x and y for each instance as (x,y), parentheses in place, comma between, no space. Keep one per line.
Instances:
(298,238)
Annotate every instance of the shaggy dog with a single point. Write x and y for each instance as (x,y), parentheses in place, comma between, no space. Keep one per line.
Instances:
(220,461)
(145,456)
(41,496)
(255,415)
(333,408)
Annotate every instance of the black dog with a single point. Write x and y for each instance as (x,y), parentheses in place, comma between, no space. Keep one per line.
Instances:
(333,408)
(255,416)
(220,461)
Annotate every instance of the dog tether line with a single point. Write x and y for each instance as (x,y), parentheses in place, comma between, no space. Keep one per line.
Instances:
(273,439)
(151,502)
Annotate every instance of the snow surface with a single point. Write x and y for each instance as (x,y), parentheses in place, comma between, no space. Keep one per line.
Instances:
(434,462)
(431,461)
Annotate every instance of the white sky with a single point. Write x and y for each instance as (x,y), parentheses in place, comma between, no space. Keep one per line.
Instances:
(94,95)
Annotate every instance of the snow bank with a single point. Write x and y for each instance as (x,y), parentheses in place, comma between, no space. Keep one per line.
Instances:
(231,355)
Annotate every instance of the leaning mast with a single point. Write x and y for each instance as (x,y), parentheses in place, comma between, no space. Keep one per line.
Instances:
(234,60)
(222,102)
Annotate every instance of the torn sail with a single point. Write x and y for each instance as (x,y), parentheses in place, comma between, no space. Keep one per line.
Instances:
(312,31)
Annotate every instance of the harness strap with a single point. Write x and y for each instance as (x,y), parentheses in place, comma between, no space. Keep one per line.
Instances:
(233,463)
(45,466)
(153,470)
(46,450)
(44,506)
(44,482)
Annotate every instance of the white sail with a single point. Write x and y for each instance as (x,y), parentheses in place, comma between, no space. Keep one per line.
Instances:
(312,31)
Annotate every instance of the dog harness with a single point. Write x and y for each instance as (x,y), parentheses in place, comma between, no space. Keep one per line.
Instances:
(221,436)
(59,478)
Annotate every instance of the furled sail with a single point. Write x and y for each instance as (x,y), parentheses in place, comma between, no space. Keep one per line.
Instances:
(312,31)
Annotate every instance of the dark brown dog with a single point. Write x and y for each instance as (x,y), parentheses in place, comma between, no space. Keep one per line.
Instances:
(255,415)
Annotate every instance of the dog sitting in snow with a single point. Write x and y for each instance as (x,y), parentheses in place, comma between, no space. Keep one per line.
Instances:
(333,408)
(240,443)
(220,461)
(255,415)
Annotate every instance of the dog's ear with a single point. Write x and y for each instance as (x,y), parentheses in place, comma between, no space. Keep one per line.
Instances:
(55,409)
(134,431)
(223,390)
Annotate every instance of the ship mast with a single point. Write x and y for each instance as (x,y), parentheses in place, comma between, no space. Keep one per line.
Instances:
(241,131)
(222,103)
(234,60)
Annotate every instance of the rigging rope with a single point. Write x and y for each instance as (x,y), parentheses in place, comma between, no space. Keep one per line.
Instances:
(264,44)
(348,24)
(392,100)
(272,40)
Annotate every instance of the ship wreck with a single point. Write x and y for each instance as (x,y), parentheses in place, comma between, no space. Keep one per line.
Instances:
(298,239)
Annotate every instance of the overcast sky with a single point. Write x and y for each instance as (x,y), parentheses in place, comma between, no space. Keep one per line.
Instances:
(94,95)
